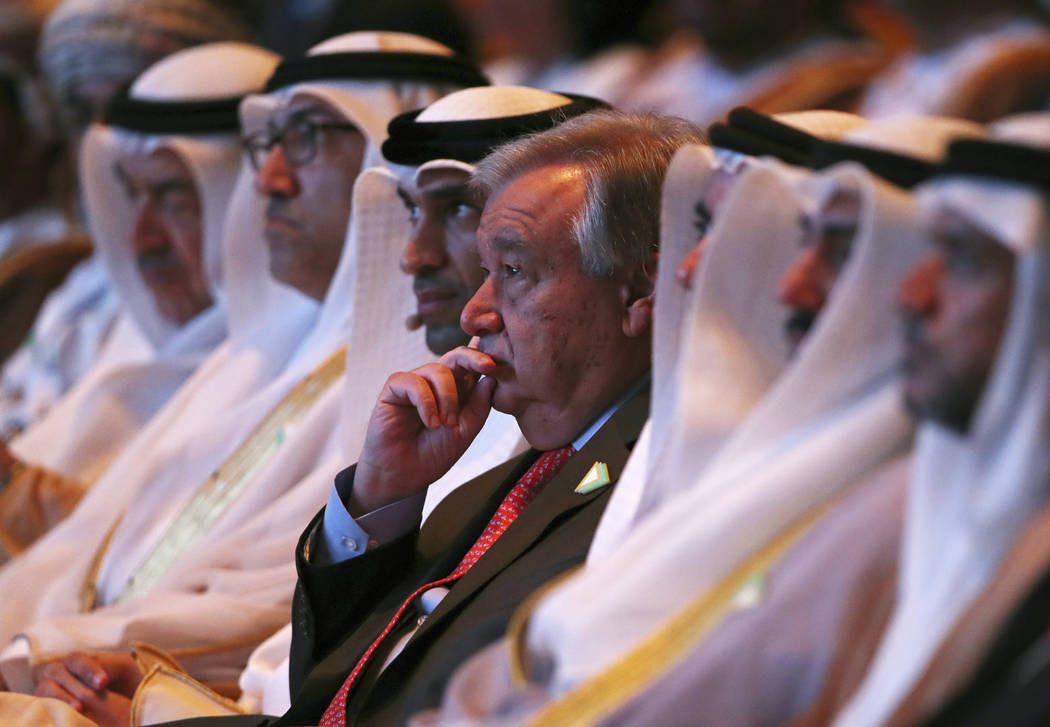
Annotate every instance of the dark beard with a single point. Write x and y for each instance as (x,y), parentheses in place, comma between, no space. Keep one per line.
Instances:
(800,321)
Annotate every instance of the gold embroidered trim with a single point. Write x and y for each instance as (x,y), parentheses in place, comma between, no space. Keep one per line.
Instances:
(88,591)
(205,650)
(227,483)
(519,621)
(664,648)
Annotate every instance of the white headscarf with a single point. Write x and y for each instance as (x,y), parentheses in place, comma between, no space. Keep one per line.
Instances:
(716,347)
(242,566)
(90,425)
(970,495)
(832,417)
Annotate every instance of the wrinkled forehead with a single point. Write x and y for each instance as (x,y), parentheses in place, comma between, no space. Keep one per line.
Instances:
(546,195)
(536,210)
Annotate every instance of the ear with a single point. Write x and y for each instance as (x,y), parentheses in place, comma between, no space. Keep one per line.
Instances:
(637,295)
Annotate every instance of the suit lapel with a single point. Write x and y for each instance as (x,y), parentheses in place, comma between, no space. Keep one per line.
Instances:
(445,525)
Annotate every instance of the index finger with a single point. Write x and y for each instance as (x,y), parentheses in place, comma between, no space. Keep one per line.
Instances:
(87,669)
(468,359)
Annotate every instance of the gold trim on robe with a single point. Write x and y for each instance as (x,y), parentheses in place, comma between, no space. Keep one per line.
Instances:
(226,484)
(598,697)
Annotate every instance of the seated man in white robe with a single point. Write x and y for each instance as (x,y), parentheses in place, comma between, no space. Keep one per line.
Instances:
(977,372)
(158,176)
(199,513)
(90,50)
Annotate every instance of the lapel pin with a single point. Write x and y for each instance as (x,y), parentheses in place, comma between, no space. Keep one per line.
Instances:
(596,478)
(749,595)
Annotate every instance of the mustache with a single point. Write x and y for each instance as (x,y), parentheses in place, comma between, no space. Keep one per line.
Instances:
(277,207)
(800,321)
(913,333)
(428,281)
(155,259)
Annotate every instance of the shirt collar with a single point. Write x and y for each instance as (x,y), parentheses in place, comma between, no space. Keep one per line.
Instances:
(581,441)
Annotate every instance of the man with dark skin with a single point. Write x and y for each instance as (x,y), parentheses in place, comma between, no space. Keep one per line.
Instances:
(441,257)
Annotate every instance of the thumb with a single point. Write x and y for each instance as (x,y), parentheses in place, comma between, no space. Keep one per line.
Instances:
(476,411)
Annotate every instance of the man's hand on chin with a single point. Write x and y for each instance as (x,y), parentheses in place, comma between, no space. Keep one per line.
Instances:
(423,422)
(99,686)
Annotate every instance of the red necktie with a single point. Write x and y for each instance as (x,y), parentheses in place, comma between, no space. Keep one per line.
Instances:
(539,474)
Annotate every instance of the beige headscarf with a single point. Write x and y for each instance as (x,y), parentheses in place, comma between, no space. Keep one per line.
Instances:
(717,346)
(832,416)
(94,420)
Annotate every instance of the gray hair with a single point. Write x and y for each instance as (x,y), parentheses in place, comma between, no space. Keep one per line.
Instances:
(623,158)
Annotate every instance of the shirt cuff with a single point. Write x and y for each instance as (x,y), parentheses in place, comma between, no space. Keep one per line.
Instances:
(347,538)
(15,665)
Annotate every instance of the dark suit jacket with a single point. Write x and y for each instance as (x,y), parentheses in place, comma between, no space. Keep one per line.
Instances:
(339,609)
(1011,686)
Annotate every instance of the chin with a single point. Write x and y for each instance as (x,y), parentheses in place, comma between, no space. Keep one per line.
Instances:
(280,270)
(504,401)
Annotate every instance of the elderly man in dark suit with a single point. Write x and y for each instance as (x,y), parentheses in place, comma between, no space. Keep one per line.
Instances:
(560,326)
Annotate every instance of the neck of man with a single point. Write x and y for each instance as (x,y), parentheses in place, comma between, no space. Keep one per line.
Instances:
(566,429)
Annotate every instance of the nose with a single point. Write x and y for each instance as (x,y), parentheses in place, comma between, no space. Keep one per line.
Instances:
(686,270)
(275,177)
(425,249)
(803,286)
(148,229)
(917,292)
(480,316)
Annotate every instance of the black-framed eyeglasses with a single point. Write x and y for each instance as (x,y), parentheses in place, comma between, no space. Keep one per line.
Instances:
(300,138)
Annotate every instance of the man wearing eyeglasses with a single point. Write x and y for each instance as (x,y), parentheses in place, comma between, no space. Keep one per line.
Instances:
(158,177)
(306,163)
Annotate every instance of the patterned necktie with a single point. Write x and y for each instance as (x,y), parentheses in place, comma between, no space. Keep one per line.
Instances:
(539,474)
